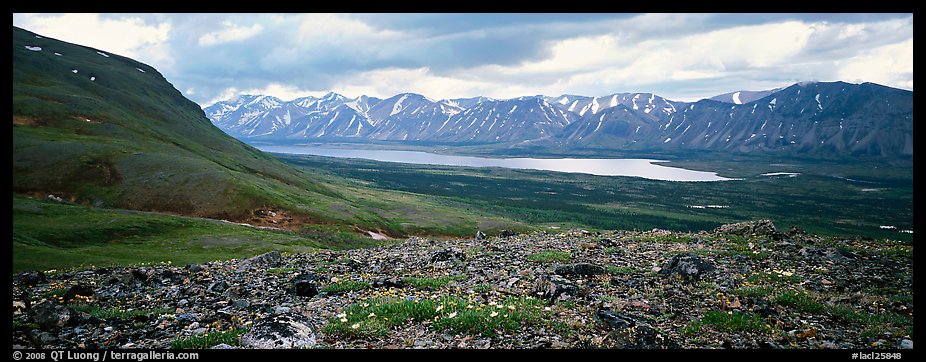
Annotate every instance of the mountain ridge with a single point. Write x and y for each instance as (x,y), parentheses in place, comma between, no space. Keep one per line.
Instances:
(805,122)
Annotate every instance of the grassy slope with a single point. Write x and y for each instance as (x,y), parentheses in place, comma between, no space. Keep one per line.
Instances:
(146,147)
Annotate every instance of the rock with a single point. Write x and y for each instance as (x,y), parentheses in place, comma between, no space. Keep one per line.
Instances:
(223,346)
(21,301)
(266,259)
(199,331)
(305,288)
(835,254)
(42,338)
(905,344)
(554,287)
(51,315)
(232,293)
(689,266)
(606,243)
(182,303)
(287,330)
(447,254)
(749,228)
(393,282)
(194,268)
(29,278)
(641,336)
(506,233)
(241,303)
(217,287)
(280,309)
(614,320)
(78,290)
(480,235)
(580,269)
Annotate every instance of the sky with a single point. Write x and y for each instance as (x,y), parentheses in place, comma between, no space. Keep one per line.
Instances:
(683,57)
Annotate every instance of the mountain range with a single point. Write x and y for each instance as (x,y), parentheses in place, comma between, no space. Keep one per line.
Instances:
(815,119)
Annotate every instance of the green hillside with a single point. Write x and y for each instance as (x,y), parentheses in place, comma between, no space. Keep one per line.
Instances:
(128,139)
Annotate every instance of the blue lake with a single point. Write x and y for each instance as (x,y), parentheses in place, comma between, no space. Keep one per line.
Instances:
(634,167)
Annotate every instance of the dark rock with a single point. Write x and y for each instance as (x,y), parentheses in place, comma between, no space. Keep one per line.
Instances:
(447,254)
(51,315)
(217,287)
(81,290)
(554,287)
(607,243)
(796,232)
(194,268)
(580,269)
(388,283)
(835,254)
(690,267)
(506,233)
(30,278)
(42,338)
(241,303)
(289,330)
(615,320)
(232,293)
(749,228)
(305,288)
(480,235)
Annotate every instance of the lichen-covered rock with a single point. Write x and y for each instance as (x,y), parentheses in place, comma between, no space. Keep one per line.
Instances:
(266,259)
(579,269)
(280,331)
(750,228)
(51,315)
(690,267)
(554,287)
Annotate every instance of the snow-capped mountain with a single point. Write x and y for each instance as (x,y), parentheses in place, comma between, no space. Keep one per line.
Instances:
(742,97)
(811,118)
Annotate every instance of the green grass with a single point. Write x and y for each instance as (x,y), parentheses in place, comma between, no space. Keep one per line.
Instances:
(432,283)
(804,302)
(54,294)
(345,286)
(773,278)
(801,301)
(117,313)
(48,235)
(209,339)
(727,322)
(549,256)
(377,317)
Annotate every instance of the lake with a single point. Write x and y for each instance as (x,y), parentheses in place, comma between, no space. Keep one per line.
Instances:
(633,167)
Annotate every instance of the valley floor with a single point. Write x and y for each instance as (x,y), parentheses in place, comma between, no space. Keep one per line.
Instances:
(741,286)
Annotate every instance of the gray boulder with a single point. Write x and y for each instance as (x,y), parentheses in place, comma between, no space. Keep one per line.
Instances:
(750,228)
(280,331)
(690,267)
(554,287)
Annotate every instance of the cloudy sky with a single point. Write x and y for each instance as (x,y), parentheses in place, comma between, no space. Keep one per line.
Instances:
(686,57)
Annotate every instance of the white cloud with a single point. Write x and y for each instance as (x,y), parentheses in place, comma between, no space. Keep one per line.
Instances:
(890,65)
(230,33)
(131,36)
(279,90)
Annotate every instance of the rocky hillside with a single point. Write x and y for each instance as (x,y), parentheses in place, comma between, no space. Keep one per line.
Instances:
(741,286)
